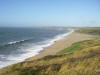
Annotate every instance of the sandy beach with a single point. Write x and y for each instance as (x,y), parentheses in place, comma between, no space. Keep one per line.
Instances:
(62,44)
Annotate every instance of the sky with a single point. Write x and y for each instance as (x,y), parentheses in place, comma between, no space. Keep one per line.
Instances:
(30,13)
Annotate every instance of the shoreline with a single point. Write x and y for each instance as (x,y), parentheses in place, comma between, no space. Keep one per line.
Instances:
(39,51)
(61,45)
(58,45)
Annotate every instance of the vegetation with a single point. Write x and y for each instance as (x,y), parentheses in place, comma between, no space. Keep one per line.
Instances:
(82,58)
(80,45)
(90,30)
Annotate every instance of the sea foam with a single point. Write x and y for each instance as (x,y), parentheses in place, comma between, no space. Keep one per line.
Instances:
(32,50)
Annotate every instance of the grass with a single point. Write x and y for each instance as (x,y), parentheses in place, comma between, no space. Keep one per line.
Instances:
(90,30)
(80,46)
(82,58)
(75,46)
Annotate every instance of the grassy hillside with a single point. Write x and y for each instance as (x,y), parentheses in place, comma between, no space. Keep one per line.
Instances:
(82,58)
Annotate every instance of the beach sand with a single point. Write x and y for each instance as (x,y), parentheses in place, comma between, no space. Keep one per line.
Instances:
(62,44)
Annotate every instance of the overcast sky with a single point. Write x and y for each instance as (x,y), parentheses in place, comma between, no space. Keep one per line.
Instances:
(27,13)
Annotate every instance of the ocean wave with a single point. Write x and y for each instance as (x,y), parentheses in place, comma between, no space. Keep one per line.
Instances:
(15,42)
(21,41)
(32,50)
(37,48)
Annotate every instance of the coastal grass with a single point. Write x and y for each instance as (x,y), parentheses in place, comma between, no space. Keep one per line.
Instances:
(80,45)
(75,46)
(81,58)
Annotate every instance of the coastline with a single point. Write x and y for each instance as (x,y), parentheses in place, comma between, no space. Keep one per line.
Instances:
(79,55)
(61,45)
(58,45)
(32,51)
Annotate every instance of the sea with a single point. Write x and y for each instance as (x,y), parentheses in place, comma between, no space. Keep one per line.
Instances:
(18,44)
